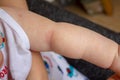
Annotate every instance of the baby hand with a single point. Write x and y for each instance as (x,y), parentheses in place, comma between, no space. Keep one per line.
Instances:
(116,67)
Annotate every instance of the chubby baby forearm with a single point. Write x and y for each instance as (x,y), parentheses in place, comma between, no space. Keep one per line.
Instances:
(78,42)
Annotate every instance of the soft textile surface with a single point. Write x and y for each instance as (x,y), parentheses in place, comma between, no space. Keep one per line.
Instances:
(59,14)
(15,49)
(59,69)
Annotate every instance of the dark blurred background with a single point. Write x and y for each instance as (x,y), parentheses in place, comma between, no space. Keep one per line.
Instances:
(103,12)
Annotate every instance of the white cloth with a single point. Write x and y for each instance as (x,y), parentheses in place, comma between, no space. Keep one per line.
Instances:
(15,49)
(59,69)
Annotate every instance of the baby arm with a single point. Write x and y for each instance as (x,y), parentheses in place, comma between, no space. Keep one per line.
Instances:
(67,39)
(38,71)
(77,42)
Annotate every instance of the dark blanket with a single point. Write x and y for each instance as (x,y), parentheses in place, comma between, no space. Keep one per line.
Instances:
(60,15)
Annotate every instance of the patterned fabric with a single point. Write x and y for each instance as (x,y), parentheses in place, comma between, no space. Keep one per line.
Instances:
(59,69)
(14,46)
